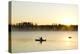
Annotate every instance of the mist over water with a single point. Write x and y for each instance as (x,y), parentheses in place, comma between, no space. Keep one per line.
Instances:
(24,41)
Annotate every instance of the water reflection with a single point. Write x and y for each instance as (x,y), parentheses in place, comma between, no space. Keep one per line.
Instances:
(25,41)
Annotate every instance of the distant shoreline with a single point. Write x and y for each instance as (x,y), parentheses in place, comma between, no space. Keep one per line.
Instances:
(42,30)
(29,26)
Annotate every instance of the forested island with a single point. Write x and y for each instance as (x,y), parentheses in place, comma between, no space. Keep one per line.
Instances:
(29,26)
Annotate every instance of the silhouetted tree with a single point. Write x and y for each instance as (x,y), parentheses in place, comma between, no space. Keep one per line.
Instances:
(54,27)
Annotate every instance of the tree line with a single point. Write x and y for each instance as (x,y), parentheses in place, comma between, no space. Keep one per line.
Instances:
(26,26)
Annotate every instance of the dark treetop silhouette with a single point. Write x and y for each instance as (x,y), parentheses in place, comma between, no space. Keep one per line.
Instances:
(29,26)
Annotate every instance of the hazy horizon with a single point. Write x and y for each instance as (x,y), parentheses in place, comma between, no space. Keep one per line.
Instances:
(42,27)
(44,13)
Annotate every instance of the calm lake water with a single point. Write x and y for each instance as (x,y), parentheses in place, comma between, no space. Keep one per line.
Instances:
(24,41)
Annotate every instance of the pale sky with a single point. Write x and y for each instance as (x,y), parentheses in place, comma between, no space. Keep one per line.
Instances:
(44,13)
